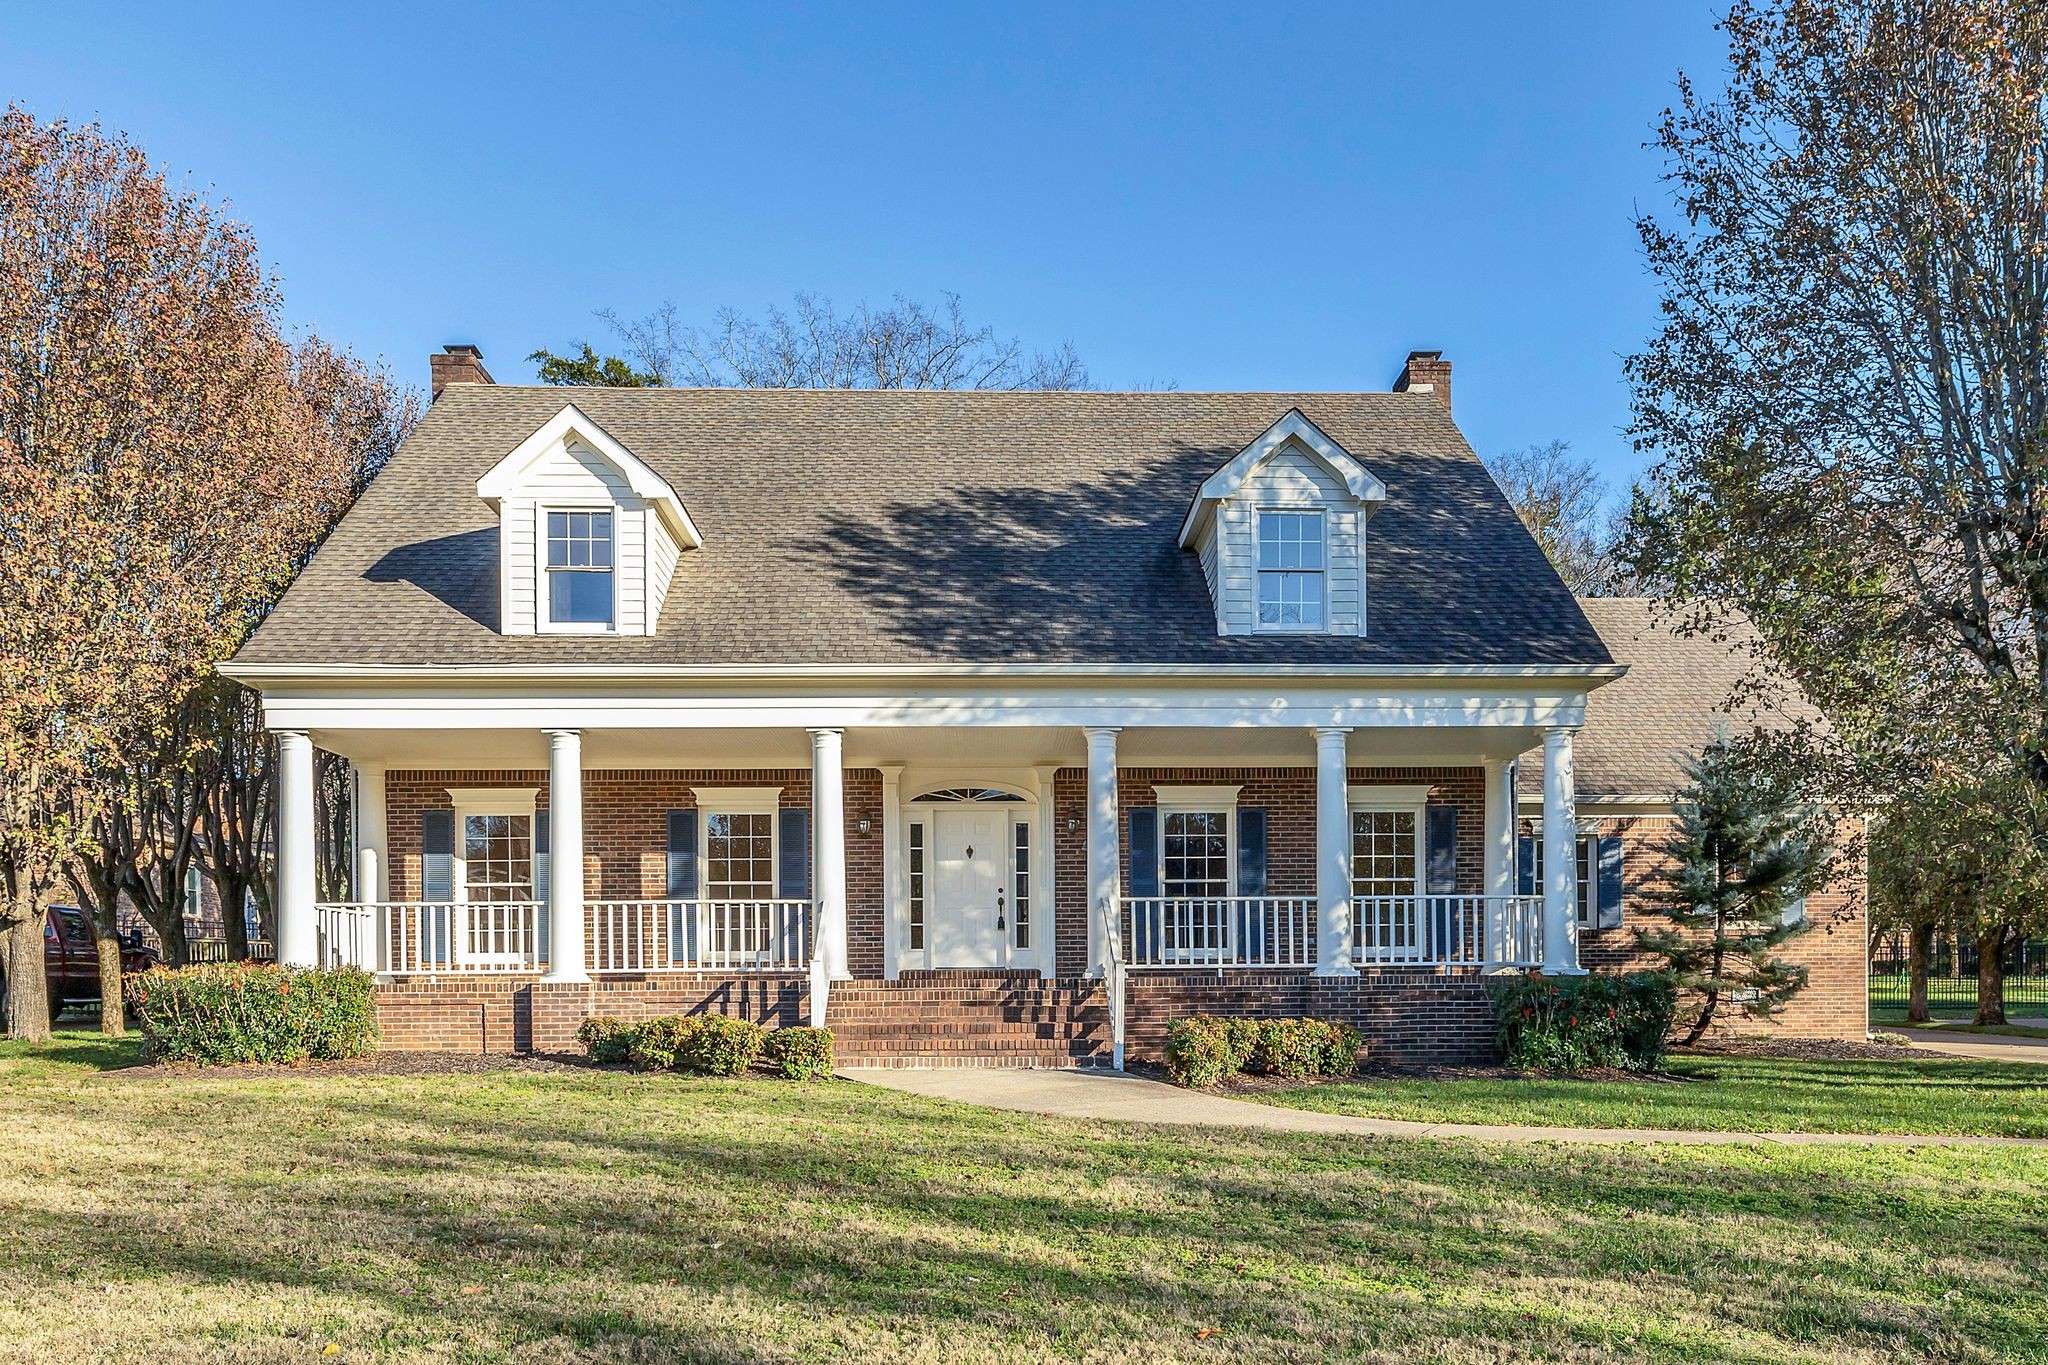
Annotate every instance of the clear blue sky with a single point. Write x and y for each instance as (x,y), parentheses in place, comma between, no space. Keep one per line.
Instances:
(1221,196)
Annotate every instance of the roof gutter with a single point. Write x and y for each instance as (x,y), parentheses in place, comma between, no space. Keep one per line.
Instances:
(256,674)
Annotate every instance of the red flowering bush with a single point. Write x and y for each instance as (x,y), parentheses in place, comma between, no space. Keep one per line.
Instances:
(1569,1023)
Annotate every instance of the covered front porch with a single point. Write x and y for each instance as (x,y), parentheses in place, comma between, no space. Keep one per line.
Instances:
(1241,866)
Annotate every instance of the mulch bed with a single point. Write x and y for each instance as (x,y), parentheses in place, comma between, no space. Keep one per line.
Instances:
(1793,1049)
(376,1064)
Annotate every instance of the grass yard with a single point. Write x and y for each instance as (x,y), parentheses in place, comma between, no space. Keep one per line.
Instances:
(1722,1094)
(573,1214)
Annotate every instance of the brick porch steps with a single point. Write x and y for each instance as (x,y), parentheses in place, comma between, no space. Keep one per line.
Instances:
(970,1019)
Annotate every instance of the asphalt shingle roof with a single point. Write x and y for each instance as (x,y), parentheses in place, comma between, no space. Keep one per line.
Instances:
(1679,692)
(911,527)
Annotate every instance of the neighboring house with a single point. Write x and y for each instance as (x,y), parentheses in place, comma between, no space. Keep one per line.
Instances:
(983,727)
(1681,691)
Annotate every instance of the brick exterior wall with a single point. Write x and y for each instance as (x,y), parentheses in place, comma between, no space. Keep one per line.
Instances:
(1835,1002)
(1407,1016)
(1287,795)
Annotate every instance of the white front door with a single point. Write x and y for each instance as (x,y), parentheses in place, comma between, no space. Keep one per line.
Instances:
(969,853)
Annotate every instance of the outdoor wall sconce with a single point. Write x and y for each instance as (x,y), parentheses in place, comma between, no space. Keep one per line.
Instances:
(1073,823)
(861,825)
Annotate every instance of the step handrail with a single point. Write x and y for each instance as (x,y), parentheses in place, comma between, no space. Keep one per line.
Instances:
(1113,969)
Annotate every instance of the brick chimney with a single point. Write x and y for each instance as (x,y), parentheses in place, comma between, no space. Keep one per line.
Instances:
(1425,372)
(458,365)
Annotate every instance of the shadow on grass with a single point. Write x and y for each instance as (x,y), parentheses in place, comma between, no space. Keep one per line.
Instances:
(730,1221)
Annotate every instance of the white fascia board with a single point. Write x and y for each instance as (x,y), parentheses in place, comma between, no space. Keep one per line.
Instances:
(1364,485)
(503,479)
(257,674)
(1195,705)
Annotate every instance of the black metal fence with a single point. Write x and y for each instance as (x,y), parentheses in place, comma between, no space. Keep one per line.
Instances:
(1952,980)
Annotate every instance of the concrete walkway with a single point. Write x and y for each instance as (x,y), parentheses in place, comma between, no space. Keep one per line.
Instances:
(1986,1047)
(1132,1099)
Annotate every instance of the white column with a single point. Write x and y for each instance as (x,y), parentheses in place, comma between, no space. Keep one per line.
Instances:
(1333,852)
(1104,869)
(372,874)
(895,873)
(1499,826)
(1560,856)
(565,857)
(298,930)
(828,848)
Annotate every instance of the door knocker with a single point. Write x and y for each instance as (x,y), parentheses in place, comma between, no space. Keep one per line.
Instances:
(999,912)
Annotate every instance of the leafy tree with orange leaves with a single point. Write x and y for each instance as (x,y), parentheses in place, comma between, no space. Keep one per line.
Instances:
(160,476)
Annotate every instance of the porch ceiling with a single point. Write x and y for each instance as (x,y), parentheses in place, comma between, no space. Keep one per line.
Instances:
(959,748)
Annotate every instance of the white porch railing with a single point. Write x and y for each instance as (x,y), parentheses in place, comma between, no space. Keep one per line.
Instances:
(699,936)
(1219,931)
(448,936)
(1448,931)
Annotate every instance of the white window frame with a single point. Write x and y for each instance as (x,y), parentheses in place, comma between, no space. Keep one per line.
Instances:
(712,801)
(1197,800)
(1585,872)
(543,600)
(1410,799)
(1322,518)
(471,801)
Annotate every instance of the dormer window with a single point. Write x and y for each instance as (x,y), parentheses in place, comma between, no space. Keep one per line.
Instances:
(580,563)
(1291,560)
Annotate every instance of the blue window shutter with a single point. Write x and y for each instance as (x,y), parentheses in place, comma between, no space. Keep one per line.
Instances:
(1251,853)
(1144,850)
(1612,887)
(1251,879)
(1442,878)
(682,854)
(540,884)
(1525,866)
(437,855)
(793,875)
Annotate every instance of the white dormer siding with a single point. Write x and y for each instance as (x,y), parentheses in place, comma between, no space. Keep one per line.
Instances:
(1292,468)
(572,466)
(1290,481)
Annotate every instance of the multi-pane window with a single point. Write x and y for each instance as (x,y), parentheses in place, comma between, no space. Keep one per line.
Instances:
(917,885)
(497,858)
(1291,559)
(580,568)
(1020,872)
(1383,853)
(739,865)
(1195,853)
(1588,862)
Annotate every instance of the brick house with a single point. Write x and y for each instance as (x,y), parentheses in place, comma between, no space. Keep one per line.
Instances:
(983,727)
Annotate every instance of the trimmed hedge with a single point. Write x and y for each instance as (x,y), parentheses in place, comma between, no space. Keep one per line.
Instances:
(1570,1023)
(704,1044)
(223,1012)
(1203,1050)
(800,1054)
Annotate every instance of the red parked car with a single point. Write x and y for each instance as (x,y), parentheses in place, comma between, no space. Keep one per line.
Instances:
(71,962)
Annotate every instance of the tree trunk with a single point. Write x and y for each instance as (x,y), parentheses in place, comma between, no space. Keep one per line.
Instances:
(113,1016)
(1991,975)
(28,991)
(234,917)
(1919,947)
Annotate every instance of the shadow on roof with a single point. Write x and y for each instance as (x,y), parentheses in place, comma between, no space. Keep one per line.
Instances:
(460,570)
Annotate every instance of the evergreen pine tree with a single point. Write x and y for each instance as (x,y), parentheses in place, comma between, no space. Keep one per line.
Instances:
(1747,848)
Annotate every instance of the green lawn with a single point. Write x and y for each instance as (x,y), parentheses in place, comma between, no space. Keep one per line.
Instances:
(603,1216)
(1722,1094)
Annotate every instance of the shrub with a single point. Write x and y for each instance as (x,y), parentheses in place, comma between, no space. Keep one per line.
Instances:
(222,1012)
(606,1039)
(720,1045)
(1573,1022)
(657,1044)
(1200,1050)
(1300,1048)
(800,1054)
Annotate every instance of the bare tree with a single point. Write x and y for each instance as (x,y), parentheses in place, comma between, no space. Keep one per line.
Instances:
(905,345)
(1561,498)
